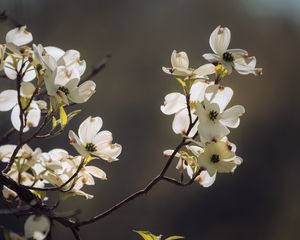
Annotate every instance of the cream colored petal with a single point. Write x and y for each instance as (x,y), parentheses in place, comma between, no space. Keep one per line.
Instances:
(89,128)
(8,99)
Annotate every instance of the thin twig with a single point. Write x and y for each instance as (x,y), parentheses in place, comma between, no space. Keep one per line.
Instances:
(100,66)
(7,135)
(4,16)
(143,191)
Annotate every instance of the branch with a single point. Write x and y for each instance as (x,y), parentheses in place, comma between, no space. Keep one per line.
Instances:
(100,66)
(7,135)
(4,17)
(143,191)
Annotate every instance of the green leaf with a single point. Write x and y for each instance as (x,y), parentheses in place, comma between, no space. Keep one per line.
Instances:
(147,235)
(174,237)
(63,117)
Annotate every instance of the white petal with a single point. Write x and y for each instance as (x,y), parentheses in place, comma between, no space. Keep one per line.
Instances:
(205,180)
(8,99)
(219,40)
(179,60)
(77,144)
(189,171)
(230,117)
(169,152)
(205,70)
(103,138)
(55,52)
(37,227)
(238,53)
(219,95)
(27,89)
(181,123)
(174,102)
(19,36)
(247,66)
(89,128)
(15,119)
(213,58)
(9,70)
(33,117)
(96,172)
(83,92)
(109,153)
(182,72)
(197,91)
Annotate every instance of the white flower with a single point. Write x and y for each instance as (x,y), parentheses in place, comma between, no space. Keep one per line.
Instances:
(218,157)
(237,59)
(36,227)
(71,91)
(91,142)
(9,100)
(19,36)
(189,162)
(180,67)
(17,66)
(69,67)
(62,74)
(175,103)
(213,117)
(8,193)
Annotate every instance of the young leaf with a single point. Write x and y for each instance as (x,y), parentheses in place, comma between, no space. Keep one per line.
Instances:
(63,117)
(174,238)
(147,235)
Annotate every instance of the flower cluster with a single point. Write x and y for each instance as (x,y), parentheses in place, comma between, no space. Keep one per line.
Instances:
(201,111)
(47,81)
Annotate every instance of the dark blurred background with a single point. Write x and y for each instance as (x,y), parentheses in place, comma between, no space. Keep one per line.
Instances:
(261,199)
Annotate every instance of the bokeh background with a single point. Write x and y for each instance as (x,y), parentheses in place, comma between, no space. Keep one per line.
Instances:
(261,199)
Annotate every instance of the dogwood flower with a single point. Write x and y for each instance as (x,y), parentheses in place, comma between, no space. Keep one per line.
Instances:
(189,162)
(17,66)
(19,36)
(236,59)
(180,67)
(214,119)
(36,227)
(218,156)
(62,74)
(9,100)
(91,142)
(175,103)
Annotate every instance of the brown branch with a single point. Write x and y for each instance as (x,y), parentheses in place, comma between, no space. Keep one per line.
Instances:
(4,17)
(149,186)
(7,135)
(59,188)
(97,69)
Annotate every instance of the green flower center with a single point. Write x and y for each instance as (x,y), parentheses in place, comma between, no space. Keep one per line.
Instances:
(228,57)
(213,115)
(215,158)
(64,90)
(91,147)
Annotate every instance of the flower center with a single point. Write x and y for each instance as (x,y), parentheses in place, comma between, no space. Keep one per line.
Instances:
(228,57)
(91,147)
(215,158)
(213,115)
(64,90)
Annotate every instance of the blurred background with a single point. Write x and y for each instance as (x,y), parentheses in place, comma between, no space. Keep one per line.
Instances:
(261,199)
